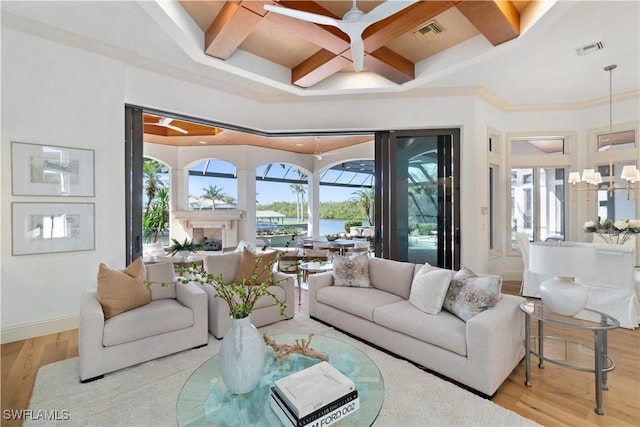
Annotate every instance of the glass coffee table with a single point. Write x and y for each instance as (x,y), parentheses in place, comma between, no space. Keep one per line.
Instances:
(205,401)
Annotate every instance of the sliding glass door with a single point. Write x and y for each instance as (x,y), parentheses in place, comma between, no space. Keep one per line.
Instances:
(420,196)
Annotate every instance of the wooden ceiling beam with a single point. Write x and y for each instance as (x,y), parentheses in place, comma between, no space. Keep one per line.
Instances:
(317,68)
(234,23)
(388,64)
(408,19)
(325,36)
(498,21)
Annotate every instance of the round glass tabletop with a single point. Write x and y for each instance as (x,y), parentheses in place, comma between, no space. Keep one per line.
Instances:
(204,399)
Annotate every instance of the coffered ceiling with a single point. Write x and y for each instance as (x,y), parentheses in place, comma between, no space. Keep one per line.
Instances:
(314,52)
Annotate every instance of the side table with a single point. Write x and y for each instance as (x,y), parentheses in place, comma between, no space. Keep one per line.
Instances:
(575,356)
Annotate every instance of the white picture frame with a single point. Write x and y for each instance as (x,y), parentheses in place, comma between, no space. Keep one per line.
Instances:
(49,170)
(41,228)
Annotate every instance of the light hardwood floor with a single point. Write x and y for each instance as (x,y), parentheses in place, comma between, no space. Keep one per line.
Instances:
(558,396)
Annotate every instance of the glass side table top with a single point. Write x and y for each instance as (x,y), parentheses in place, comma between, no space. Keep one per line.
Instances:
(204,399)
(539,311)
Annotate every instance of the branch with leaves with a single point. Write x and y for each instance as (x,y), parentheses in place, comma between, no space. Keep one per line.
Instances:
(241,297)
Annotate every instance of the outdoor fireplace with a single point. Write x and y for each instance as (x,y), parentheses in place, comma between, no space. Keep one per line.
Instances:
(216,228)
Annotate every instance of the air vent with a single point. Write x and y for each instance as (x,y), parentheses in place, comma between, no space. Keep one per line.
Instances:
(429,30)
(590,48)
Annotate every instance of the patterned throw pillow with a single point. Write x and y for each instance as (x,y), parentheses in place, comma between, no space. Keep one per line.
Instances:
(470,294)
(247,266)
(429,288)
(122,290)
(351,271)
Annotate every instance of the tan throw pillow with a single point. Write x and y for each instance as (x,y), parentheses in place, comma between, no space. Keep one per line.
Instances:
(351,271)
(122,290)
(429,288)
(248,264)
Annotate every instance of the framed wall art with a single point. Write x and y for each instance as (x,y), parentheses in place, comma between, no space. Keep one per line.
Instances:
(49,170)
(39,228)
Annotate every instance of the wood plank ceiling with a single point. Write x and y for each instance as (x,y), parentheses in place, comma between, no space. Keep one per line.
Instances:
(315,52)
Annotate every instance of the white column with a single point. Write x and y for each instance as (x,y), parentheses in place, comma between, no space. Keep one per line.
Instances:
(179,201)
(247,202)
(314,204)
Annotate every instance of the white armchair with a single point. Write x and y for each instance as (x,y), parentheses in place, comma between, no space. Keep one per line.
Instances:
(265,311)
(612,290)
(174,320)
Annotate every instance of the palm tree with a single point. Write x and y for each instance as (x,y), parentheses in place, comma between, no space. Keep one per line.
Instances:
(151,170)
(366,197)
(213,192)
(156,217)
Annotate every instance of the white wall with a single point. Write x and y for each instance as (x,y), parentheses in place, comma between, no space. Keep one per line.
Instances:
(61,95)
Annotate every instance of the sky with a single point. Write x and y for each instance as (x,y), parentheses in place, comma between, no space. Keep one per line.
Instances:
(269,192)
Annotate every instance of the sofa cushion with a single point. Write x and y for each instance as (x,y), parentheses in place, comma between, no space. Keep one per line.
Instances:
(260,264)
(429,288)
(351,271)
(391,276)
(443,330)
(155,318)
(470,294)
(223,264)
(361,302)
(122,290)
(161,280)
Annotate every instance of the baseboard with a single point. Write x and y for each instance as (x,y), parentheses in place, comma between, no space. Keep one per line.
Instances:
(36,329)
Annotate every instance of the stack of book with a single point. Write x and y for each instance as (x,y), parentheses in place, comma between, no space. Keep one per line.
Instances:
(317,397)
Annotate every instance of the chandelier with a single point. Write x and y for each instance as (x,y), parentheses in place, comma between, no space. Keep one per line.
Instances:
(593,179)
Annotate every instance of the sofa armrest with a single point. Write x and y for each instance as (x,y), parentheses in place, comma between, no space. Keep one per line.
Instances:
(495,337)
(90,335)
(193,296)
(286,282)
(316,282)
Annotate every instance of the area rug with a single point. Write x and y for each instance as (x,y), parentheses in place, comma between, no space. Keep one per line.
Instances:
(146,394)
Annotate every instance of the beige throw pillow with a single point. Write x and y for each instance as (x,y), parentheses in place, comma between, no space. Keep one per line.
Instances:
(429,288)
(122,290)
(351,271)
(264,269)
(469,294)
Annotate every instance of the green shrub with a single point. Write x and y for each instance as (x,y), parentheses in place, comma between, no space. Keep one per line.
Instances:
(349,224)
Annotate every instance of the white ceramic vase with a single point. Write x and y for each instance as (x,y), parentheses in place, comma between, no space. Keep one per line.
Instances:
(241,356)
(563,295)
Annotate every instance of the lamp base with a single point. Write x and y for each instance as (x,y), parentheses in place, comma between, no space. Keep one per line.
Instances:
(563,296)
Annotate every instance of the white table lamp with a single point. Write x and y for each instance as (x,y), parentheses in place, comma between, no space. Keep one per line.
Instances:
(561,293)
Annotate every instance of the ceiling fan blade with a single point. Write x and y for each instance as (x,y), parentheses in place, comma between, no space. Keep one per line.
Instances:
(357,51)
(177,129)
(305,16)
(165,125)
(387,9)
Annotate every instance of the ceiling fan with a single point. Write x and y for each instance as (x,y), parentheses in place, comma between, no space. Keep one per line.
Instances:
(353,23)
(165,122)
(319,154)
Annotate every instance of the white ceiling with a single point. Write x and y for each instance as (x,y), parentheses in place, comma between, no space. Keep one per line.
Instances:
(538,70)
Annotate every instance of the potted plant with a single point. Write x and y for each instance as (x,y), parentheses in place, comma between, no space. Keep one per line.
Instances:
(242,351)
(185,248)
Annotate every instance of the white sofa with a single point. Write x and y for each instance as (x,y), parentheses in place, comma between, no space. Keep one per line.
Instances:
(174,320)
(613,290)
(264,311)
(480,353)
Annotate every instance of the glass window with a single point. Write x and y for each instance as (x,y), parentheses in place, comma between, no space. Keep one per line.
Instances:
(618,140)
(213,185)
(537,146)
(538,203)
(615,205)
